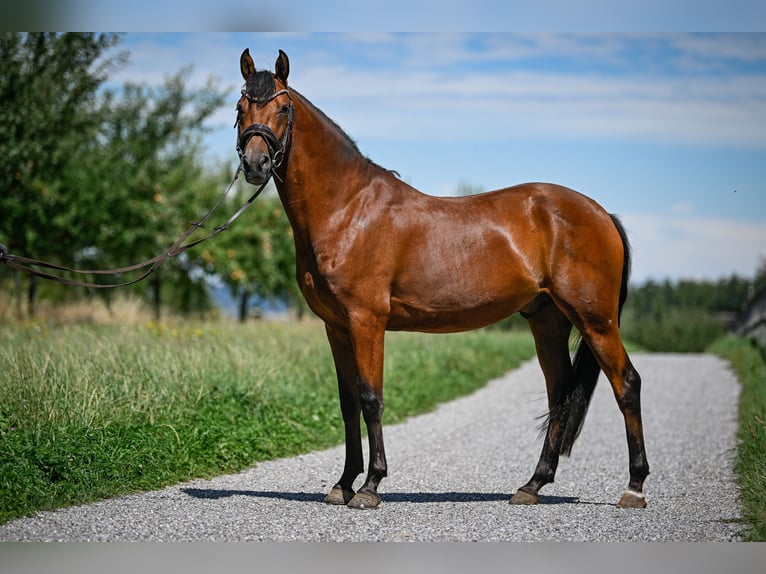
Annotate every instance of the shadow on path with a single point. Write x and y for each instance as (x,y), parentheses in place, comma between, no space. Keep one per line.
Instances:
(411,497)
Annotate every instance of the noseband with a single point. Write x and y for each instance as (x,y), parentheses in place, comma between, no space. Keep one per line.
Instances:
(277,148)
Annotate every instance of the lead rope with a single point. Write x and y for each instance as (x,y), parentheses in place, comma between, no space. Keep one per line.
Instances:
(26,264)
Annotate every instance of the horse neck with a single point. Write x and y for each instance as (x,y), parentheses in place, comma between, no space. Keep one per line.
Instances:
(324,171)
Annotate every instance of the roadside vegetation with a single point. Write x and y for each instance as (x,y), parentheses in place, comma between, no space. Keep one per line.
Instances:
(684,316)
(749,363)
(89,411)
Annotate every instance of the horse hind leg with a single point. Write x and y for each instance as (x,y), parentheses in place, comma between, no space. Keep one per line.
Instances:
(626,385)
(550,329)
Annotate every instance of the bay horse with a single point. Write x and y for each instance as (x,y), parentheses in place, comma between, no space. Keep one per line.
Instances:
(375,254)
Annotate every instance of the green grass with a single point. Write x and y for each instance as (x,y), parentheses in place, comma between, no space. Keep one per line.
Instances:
(94,411)
(750,366)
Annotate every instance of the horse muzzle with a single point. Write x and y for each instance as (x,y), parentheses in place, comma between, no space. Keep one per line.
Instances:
(256,163)
(256,167)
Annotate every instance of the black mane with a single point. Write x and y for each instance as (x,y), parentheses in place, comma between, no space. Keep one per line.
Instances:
(260,86)
(347,138)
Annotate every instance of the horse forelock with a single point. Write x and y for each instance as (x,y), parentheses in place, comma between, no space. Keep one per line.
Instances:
(260,85)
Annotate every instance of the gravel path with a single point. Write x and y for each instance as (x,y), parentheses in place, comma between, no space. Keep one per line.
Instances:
(452,472)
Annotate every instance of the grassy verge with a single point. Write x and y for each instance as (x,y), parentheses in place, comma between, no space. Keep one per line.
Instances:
(88,412)
(749,364)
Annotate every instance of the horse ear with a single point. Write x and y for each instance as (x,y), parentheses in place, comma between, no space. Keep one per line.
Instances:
(246,64)
(282,67)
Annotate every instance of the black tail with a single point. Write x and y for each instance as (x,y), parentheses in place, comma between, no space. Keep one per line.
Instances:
(626,263)
(585,366)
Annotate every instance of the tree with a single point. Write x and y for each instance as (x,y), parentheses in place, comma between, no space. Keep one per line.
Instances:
(256,256)
(48,90)
(683,316)
(759,281)
(148,175)
(465,188)
(89,172)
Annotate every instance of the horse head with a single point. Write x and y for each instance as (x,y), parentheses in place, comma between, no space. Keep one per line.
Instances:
(265,109)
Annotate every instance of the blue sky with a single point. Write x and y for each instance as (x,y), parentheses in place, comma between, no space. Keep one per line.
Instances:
(667,130)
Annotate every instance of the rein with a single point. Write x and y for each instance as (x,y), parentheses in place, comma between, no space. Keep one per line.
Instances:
(277,152)
(27,264)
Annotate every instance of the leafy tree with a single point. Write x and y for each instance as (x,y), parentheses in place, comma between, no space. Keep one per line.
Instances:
(48,91)
(256,256)
(148,175)
(685,316)
(465,188)
(88,174)
(759,283)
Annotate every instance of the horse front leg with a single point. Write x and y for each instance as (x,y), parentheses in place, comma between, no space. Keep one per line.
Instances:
(368,340)
(345,366)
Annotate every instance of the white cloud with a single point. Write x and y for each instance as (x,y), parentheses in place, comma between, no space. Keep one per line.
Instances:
(702,51)
(500,105)
(423,84)
(675,245)
(682,208)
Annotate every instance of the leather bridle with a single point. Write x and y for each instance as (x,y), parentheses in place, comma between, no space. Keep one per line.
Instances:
(277,147)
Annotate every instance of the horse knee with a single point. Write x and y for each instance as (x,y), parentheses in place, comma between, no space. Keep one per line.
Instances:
(372,404)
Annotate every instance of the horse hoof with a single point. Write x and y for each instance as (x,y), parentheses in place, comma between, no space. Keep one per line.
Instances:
(632,499)
(524,497)
(339,496)
(364,500)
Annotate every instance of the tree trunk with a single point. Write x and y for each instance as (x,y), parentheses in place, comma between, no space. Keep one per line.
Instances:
(156,287)
(243,300)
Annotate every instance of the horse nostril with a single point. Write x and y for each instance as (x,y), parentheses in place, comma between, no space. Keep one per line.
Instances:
(259,164)
(264,163)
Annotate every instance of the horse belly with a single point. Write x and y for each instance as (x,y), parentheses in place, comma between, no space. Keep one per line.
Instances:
(408,318)
(436,303)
